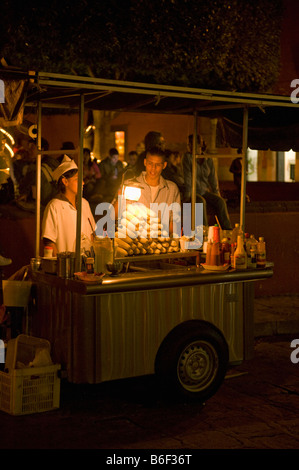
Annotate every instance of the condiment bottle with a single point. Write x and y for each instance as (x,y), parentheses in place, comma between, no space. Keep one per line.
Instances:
(216,233)
(225,251)
(246,243)
(89,265)
(208,255)
(261,253)
(48,251)
(240,257)
(233,247)
(252,257)
(236,231)
(251,243)
(215,254)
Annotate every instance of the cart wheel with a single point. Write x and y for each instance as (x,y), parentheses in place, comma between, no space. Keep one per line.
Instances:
(192,360)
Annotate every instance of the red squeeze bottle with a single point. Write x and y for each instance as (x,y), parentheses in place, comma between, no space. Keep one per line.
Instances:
(215,255)
(208,255)
(216,233)
(225,251)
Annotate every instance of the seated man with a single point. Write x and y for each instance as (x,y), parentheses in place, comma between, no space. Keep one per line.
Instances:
(172,173)
(207,188)
(154,188)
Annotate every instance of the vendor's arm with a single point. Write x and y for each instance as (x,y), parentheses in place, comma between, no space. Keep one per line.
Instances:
(91,221)
(49,227)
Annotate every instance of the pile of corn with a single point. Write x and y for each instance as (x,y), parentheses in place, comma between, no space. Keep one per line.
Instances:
(141,232)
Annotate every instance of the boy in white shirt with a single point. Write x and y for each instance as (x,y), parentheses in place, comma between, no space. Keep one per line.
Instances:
(154,188)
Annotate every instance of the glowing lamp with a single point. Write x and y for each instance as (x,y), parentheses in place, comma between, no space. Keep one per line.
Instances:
(132,193)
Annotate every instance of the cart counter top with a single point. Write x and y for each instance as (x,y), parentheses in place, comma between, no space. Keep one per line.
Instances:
(156,279)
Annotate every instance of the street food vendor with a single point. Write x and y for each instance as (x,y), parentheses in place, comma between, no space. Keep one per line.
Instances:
(154,188)
(60,216)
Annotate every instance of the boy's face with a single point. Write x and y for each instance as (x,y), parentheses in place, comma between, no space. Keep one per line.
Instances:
(114,159)
(154,165)
(71,184)
(133,159)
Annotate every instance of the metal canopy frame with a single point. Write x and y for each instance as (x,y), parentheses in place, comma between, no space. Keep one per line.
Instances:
(81,93)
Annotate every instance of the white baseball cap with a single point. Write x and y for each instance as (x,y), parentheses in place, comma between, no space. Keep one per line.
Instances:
(66,165)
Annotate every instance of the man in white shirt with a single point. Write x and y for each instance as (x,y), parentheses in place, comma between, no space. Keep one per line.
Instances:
(60,216)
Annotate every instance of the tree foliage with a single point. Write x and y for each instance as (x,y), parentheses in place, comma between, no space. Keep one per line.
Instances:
(232,45)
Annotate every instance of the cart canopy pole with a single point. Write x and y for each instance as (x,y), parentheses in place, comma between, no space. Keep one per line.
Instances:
(38,179)
(244,168)
(194,168)
(80,181)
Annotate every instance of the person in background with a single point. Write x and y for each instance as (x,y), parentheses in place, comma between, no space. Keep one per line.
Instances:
(91,173)
(207,187)
(6,173)
(140,148)
(27,182)
(131,168)
(6,195)
(60,215)
(67,145)
(111,169)
(236,169)
(171,171)
(152,139)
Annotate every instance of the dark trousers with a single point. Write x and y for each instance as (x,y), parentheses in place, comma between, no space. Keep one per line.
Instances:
(218,206)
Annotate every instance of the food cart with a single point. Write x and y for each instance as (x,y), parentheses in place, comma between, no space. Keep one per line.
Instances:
(184,323)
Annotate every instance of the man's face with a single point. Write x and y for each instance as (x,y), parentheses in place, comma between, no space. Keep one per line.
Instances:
(114,159)
(154,165)
(86,157)
(133,159)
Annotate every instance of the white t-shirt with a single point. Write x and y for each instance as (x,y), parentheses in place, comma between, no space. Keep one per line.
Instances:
(60,222)
(154,192)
